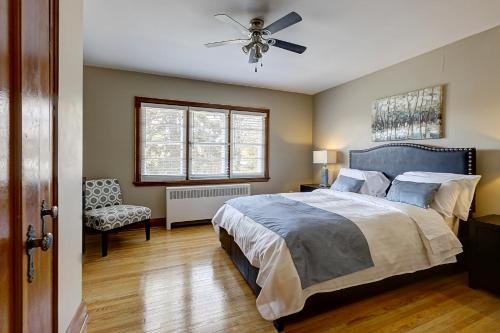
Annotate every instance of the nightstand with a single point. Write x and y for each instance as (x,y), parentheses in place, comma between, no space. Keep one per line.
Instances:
(485,253)
(310,187)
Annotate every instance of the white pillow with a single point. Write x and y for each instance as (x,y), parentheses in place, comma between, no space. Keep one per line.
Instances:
(446,197)
(375,182)
(467,184)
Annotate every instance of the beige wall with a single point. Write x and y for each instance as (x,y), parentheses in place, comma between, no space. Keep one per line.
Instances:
(70,159)
(109,128)
(469,68)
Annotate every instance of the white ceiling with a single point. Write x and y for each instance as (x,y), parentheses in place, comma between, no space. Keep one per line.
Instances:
(346,39)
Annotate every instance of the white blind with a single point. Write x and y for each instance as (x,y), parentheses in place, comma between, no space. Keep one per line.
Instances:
(247,144)
(163,137)
(180,143)
(208,143)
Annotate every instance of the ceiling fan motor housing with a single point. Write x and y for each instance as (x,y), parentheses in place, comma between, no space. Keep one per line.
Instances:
(256,24)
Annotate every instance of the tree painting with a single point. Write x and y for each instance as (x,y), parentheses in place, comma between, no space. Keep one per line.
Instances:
(416,115)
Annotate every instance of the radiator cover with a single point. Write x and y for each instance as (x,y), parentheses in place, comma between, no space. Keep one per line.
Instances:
(192,203)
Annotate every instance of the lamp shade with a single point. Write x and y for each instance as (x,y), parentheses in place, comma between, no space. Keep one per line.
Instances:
(324,156)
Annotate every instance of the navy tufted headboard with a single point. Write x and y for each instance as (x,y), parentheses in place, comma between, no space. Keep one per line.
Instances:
(397,158)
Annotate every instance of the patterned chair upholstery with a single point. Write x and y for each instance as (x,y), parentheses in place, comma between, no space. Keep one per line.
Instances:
(105,211)
(108,218)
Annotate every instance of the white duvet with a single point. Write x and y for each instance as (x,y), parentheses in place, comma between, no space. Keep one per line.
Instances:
(402,239)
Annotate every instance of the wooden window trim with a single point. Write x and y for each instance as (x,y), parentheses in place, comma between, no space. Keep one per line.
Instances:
(138,144)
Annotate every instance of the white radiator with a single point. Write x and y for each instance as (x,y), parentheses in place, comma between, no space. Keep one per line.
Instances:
(192,203)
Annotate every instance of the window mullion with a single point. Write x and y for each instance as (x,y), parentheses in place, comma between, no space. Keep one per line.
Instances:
(187,128)
(229,143)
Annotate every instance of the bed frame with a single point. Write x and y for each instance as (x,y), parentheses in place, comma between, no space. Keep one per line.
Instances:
(392,160)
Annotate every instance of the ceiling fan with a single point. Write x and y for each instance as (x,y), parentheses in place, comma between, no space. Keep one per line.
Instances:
(258,37)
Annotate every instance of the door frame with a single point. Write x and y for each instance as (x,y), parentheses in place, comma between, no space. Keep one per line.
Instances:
(54,91)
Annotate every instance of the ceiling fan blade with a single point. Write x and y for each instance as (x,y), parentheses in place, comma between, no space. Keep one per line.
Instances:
(235,24)
(228,42)
(284,22)
(289,46)
(251,57)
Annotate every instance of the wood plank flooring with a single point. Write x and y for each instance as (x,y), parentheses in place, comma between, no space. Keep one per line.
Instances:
(182,281)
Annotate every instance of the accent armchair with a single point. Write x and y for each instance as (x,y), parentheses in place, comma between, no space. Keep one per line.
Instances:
(104,210)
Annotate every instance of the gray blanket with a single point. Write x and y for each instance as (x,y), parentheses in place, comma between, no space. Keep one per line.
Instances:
(323,245)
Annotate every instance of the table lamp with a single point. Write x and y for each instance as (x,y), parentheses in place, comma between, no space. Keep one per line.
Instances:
(324,157)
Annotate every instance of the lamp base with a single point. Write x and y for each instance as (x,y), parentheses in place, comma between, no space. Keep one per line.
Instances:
(324,177)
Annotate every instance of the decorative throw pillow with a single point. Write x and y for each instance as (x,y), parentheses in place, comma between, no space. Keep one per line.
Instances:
(376,183)
(467,184)
(446,197)
(416,194)
(347,184)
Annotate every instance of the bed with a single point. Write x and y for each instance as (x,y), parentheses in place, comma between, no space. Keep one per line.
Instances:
(405,243)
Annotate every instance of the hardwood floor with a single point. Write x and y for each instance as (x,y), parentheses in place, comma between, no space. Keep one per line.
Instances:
(182,281)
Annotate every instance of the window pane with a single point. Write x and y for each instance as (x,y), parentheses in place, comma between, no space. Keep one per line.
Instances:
(163,142)
(248,144)
(208,160)
(163,151)
(242,151)
(164,133)
(248,121)
(159,167)
(248,136)
(209,127)
(208,144)
(248,167)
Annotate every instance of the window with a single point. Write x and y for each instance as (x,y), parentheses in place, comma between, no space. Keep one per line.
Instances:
(247,144)
(163,142)
(208,144)
(180,142)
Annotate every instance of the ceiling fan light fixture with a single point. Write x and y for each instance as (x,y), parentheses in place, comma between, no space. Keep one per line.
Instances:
(258,52)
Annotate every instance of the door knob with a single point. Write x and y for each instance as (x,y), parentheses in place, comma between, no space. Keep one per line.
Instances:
(52,212)
(44,243)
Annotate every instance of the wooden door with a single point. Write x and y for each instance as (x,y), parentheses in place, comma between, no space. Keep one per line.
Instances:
(6,213)
(28,39)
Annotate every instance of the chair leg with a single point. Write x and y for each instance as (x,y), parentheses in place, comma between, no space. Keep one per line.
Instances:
(83,240)
(104,243)
(279,324)
(147,226)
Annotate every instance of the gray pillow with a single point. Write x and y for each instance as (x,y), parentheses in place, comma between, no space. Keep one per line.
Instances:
(416,194)
(347,184)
